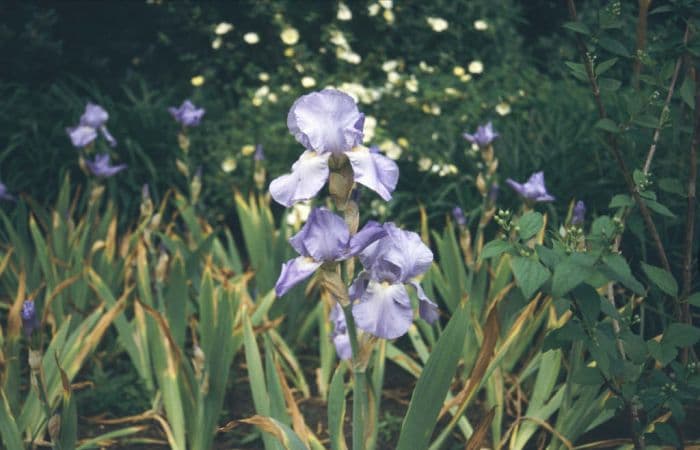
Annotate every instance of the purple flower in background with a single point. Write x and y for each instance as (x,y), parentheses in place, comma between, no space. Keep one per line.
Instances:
(4,193)
(340,336)
(29,320)
(92,120)
(533,189)
(459,216)
(579,213)
(259,155)
(493,192)
(187,114)
(384,308)
(101,167)
(326,123)
(324,237)
(484,135)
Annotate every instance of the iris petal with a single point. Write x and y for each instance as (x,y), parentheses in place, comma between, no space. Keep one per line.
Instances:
(309,174)
(374,171)
(326,121)
(384,310)
(293,272)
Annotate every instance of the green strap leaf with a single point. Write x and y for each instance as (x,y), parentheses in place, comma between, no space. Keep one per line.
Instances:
(433,384)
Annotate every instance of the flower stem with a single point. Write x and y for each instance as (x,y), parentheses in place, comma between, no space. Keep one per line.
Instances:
(359,391)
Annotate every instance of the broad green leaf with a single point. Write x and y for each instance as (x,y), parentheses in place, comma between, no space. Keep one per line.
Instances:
(681,335)
(672,185)
(433,384)
(660,209)
(661,278)
(694,299)
(529,273)
(577,27)
(687,92)
(616,268)
(495,248)
(569,274)
(620,201)
(613,46)
(609,84)
(607,125)
(530,224)
(603,67)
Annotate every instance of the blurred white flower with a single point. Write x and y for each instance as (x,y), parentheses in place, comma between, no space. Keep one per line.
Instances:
(476,67)
(481,25)
(412,84)
(216,43)
(348,56)
(229,164)
(503,109)
(223,28)
(197,80)
(251,38)
(262,91)
(289,36)
(424,164)
(344,12)
(465,78)
(388,16)
(264,77)
(370,127)
(285,87)
(438,24)
(373,9)
(448,169)
(403,142)
(308,82)
(432,108)
(272,97)
(386,4)
(391,149)
(388,66)
(289,52)
(458,71)
(451,91)
(393,77)
(425,67)
(298,214)
(256,101)
(338,39)
(247,150)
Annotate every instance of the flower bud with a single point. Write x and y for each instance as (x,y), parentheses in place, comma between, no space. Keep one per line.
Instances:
(162,266)
(459,217)
(34,360)
(196,185)
(183,141)
(182,168)
(146,202)
(340,181)
(29,320)
(481,184)
(96,193)
(54,427)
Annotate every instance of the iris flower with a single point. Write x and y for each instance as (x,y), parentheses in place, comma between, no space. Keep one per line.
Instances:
(101,167)
(579,213)
(459,216)
(533,189)
(92,120)
(325,237)
(29,319)
(187,114)
(329,123)
(484,135)
(341,338)
(4,193)
(384,308)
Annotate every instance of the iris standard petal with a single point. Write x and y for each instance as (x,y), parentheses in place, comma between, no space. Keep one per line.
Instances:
(427,309)
(533,189)
(326,121)
(108,136)
(359,286)
(371,232)
(384,310)
(324,236)
(94,116)
(406,250)
(293,272)
(309,174)
(81,135)
(374,171)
